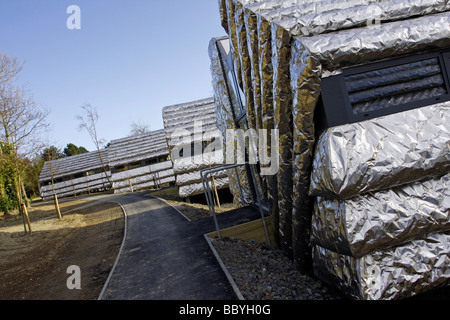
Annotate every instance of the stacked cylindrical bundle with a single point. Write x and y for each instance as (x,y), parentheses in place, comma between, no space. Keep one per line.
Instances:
(82,173)
(140,162)
(391,273)
(195,143)
(282,49)
(381,222)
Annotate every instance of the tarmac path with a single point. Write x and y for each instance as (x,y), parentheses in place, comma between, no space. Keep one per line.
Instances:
(164,256)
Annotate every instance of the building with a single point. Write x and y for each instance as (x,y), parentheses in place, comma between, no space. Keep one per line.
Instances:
(79,174)
(131,164)
(195,143)
(140,162)
(358,94)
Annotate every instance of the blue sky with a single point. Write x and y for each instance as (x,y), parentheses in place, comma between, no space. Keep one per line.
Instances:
(129,59)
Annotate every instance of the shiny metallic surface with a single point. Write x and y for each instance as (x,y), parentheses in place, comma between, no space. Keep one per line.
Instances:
(224,101)
(139,148)
(246,63)
(382,219)
(265,68)
(350,47)
(193,124)
(393,273)
(197,187)
(77,164)
(382,153)
(298,44)
(326,16)
(282,108)
(305,73)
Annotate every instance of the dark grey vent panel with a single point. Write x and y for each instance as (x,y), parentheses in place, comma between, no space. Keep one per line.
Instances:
(382,88)
(396,85)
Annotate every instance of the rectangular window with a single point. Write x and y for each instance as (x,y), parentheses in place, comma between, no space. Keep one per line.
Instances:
(120,168)
(134,165)
(151,161)
(78,175)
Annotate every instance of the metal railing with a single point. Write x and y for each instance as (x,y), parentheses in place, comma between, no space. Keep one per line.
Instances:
(206,186)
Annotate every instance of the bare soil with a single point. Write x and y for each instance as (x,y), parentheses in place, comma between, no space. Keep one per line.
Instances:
(195,211)
(34,266)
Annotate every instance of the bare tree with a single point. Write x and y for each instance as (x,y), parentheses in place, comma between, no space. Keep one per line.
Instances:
(21,122)
(9,69)
(139,128)
(89,121)
(22,119)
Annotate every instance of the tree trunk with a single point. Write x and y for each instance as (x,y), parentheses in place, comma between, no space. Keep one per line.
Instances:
(104,169)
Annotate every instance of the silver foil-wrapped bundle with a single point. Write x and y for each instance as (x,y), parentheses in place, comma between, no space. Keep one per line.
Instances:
(194,142)
(393,273)
(347,47)
(387,218)
(283,52)
(382,189)
(382,153)
(197,187)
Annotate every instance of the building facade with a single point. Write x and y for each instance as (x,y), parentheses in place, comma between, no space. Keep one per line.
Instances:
(195,143)
(358,92)
(140,162)
(79,174)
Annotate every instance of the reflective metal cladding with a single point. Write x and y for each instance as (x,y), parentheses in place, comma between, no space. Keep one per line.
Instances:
(191,129)
(363,205)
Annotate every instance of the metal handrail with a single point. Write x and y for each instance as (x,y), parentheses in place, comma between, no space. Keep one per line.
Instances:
(204,176)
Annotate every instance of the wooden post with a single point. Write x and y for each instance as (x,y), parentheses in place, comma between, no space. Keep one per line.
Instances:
(23,218)
(57,206)
(131,186)
(25,212)
(22,206)
(215,191)
(54,193)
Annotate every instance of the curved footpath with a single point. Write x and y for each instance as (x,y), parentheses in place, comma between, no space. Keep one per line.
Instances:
(165,256)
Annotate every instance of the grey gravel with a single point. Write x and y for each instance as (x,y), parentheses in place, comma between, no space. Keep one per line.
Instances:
(263,273)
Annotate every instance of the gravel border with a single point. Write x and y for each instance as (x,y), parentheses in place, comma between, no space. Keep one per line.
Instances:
(263,273)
